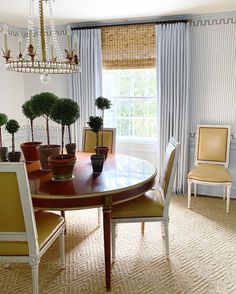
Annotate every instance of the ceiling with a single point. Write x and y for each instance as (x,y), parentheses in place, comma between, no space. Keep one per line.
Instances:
(72,11)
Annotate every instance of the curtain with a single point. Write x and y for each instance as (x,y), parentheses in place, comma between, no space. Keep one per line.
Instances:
(86,86)
(173,94)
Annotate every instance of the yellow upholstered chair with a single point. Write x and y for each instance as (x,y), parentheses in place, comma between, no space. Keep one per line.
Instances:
(89,142)
(25,235)
(153,206)
(89,139)
(211,160)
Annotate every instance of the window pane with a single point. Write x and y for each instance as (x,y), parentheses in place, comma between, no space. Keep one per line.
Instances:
(134,102)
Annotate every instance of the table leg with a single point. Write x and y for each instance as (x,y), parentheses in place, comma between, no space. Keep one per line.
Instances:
(107,243)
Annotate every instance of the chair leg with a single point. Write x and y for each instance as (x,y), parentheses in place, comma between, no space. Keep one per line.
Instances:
(162,230)
(35,277)
(166,226)
(195,189)
(99,210)
(63,214)
(189,194)
(62,249)
(142,227)
(113,240)
(228,189)
(224,192)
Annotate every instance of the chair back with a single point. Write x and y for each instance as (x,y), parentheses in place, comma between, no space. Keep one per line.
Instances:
(169,168)
(212,145)
(17,221)
(89,139)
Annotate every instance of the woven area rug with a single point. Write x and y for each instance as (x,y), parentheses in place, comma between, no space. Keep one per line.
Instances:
(202,255)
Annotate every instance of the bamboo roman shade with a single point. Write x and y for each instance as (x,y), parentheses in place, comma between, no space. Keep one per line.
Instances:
(130,46)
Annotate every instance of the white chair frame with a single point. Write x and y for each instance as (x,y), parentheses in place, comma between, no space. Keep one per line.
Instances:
(30,235)
(226,185)
(166,198)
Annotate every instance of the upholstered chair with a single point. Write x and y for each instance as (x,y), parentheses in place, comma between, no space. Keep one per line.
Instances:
(211,160)
(25,235)
(153,206)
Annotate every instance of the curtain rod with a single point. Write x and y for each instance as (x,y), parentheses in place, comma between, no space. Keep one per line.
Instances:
(132,23)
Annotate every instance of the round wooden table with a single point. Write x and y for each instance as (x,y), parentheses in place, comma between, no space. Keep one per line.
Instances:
(123,178)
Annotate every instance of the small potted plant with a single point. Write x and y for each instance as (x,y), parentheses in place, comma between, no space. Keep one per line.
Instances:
(12,126)
(64,112)
(29,148)
(103,103)
(3,150)
(41,105)
(95,123)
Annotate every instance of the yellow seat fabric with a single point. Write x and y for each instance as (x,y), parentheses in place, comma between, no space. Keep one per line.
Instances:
(151,204)
(210,173)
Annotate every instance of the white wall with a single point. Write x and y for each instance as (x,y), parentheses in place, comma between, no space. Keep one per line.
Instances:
(213,82)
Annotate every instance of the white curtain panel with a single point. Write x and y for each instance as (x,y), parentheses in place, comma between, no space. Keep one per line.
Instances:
(86,86)
(173,93)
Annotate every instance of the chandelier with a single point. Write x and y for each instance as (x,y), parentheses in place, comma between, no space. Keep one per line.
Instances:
(39,56)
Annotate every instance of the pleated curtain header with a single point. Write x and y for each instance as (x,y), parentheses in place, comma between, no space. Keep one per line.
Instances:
(130,46)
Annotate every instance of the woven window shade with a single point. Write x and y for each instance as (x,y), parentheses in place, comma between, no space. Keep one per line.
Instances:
(132,46)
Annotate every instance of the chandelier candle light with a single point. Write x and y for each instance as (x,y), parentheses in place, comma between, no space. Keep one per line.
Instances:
(39,60)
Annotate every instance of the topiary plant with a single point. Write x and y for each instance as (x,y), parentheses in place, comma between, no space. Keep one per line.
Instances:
(27,111)
(41,105)
(103,103)
(12,126)
(3,121)
(95,123)
(65,112)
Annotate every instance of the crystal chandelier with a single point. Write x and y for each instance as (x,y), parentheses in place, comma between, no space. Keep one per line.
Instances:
(41,58)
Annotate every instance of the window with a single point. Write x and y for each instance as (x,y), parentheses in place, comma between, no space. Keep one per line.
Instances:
(134,102)
(129,80)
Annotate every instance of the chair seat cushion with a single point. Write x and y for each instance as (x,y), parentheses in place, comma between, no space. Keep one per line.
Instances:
(151,204)
(46,222)
(210,173)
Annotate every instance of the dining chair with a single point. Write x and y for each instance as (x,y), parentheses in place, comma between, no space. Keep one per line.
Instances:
(89,139)
(25,235)
(153,206)
(211,160)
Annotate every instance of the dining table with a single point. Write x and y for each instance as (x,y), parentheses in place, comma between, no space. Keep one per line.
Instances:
(123,178)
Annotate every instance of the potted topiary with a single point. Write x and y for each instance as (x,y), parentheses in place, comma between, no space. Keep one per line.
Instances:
(29,148)
(12,126)
(64,112)
(41,105)
(95,123)
(102,104)
(3,150)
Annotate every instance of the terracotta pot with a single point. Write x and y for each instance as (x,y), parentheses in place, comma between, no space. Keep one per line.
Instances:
(29,150)
(62,166)
(14,157)
(102,150)
(3,153)
(44,151)
(97,163)
(71,148)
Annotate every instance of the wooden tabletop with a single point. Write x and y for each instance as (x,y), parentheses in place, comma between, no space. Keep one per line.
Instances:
(122,177)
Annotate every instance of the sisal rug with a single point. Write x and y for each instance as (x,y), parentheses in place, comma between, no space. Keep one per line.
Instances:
(202,255)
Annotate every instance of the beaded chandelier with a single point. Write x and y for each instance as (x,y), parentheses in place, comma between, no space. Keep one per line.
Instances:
(38,56)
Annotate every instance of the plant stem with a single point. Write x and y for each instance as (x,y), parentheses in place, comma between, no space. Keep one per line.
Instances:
(32,132)
(0,137)
(102,125)
(13,143)
(47,128)
(62,138)
(97,142)
(69,133)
